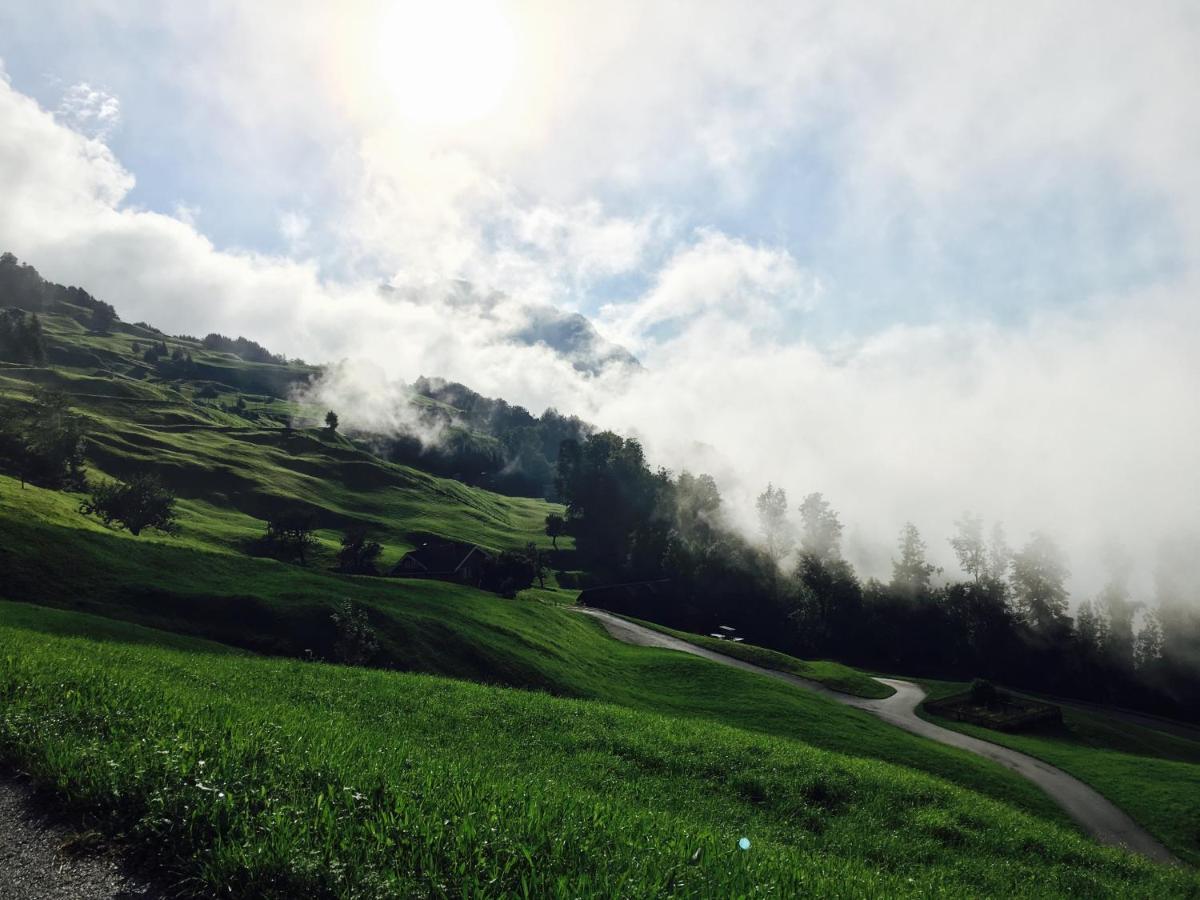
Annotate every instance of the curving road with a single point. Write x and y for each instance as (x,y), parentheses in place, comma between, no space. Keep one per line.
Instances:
(1100,818)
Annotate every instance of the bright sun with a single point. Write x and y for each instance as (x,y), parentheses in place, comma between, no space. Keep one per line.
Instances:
(445,61)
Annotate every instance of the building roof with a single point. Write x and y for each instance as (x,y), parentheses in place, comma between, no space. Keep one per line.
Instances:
(631,589)
(442,558)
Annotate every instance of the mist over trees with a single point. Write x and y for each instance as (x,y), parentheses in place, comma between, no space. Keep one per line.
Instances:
(484,441)
(1004,617)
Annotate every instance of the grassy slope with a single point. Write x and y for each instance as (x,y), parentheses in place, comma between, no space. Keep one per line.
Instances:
(288,778)
(239,468)
(226,467)
(831,674)
(427,626)
(1155,777)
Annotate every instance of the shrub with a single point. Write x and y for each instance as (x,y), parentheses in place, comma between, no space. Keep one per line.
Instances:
(357,643)
(510,572)
(141,503)
(984,693)
(289,535)
(358,554)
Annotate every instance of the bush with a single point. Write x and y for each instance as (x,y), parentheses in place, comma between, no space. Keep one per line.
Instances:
(140,504)
(289,535)
(984,693)
(357,643)
(358,554)
(511,572)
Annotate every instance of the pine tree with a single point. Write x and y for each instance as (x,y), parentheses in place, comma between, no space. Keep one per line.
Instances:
(911,573)
(773,522)
(1039,576)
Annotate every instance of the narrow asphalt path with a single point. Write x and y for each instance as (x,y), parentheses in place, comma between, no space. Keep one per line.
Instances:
(1100,818)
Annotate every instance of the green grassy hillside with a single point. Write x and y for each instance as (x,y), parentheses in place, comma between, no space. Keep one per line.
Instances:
(235,467)
(426,626)
(827,672)
(370,782)
(288,778)
(1154,777)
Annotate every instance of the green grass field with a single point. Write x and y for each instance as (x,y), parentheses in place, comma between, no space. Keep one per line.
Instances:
(288,778)
(832,674)
(1153,776)
(231,471)
(432,627)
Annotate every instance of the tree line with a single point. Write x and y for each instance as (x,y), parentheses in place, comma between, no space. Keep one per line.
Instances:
(484,441)
(1005,616)
(21,286)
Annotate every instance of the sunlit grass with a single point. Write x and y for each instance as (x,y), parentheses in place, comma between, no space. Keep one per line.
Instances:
(281,778)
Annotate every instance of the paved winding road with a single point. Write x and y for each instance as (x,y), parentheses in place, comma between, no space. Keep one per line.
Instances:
(1105,822)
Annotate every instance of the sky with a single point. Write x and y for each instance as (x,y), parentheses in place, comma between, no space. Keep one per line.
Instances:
(923,257)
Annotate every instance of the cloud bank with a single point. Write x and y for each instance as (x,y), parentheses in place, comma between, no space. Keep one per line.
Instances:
(924,260)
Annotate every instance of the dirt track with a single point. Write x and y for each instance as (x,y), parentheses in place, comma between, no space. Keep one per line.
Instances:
(36,858)
(1100,818)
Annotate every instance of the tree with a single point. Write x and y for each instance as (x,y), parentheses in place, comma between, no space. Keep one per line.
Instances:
(1090,629)
(45,445)
(357,643)
(697,509)
(829,602)
(1148,648)
(331,421)
(103,316)
(969,547)
(290,535)
(511,572)
(999,558)
(143,502)
(537,561)
(1119,609)
(21,338)
(554,527)
(773,522)
(911,573)
(1039,576)
(359,554)
(821,532)
(618,510)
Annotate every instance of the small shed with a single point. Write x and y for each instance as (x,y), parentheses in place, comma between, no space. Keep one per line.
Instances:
(445,561)
(644,599)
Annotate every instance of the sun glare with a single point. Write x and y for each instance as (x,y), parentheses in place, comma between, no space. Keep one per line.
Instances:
(445,61)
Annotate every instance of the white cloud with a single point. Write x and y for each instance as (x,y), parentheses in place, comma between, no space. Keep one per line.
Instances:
(932,117)
(89,110)
(718,276)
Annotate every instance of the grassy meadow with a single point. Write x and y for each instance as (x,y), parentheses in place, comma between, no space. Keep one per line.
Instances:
(285,777)
(831,674)
(1153,776)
